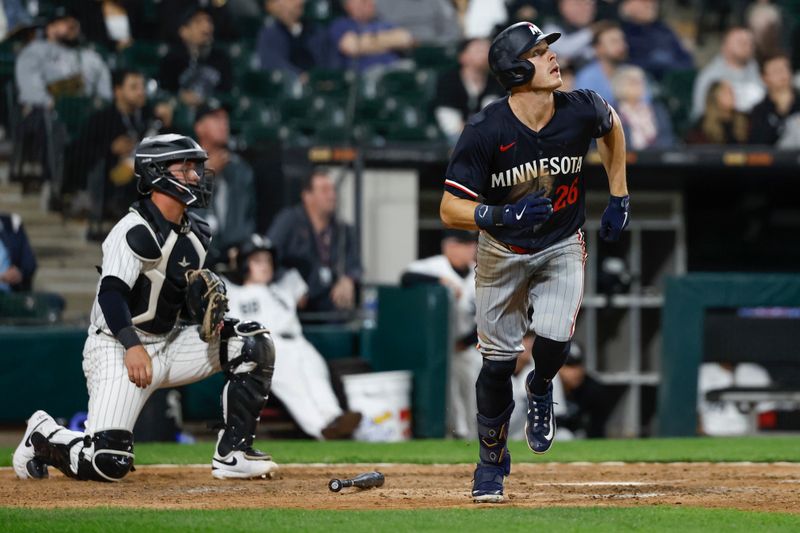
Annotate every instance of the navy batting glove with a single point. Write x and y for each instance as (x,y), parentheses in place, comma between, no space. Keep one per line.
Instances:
(615,218)
(529,211)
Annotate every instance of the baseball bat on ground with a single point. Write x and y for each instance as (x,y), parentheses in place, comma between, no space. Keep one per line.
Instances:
(362,481)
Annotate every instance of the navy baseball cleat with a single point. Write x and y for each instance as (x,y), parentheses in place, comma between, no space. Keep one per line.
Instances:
(540,429)
(487,482)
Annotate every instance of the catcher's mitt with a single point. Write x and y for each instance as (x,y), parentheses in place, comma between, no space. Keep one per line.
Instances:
(206,301)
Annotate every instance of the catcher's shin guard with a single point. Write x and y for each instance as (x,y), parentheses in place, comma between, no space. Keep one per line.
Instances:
(249,378)
(495,459)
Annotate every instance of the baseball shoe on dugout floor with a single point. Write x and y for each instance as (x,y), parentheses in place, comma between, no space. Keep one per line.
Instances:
(540,428)
(487,482)
(246,463)
(26,465)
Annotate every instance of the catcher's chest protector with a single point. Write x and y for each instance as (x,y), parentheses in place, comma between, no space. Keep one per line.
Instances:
(167,251)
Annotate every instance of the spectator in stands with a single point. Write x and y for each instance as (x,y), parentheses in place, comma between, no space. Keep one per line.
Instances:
(58,65)
(287,43)
(765,20)
(455,270)
(480,17)
(301,379)
(232,213)
(588,403)
(104,155)
(735,64)
(567,77)
(721,123)
(646,123)
(223,26)
(652,45)
(767,120)
(462,93)
(364,41)
(431,22)
(575,44)
(611,51)
(13,16)
(194,68)
(310,238)
(17,262)
(113,24)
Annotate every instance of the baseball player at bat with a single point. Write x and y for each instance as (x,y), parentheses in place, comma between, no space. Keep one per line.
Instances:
(150,277)
(515,174)
(368,480)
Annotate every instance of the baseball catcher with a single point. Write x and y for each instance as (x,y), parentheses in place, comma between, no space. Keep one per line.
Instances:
(157,321)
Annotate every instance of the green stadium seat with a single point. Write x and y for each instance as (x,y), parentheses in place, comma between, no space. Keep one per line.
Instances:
(435,57)
(74,111)
(416,85)
(319,11)
(266,85)
(331,82)
(676,92)
(144,56)
(241,54)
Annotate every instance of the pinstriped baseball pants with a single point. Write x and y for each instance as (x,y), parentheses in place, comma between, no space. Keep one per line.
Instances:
(551,281)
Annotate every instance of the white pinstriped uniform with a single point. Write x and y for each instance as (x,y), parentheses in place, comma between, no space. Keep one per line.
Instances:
(179,357)
(507,283)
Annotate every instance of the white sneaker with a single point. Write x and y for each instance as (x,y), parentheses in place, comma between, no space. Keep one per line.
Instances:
(242,464)
(26,465)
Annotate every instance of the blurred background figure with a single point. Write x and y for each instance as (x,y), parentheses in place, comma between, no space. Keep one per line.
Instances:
(59,65)
(232,213)
(454,268)
(310,238)
(735,64)
(765,20)
(652,45)
(288,43)
(721,122)
(575,26)
(462,93)
(431,22)
(14,16)
(724,418)
(301,380)
(479,18)
(17,262)
(363,40)
(222,22)
(114,24)
(768,118)
(101,160)
(646,123)
(611,52)
(193,68)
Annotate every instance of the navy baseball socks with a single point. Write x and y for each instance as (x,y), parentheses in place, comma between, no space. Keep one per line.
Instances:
(495,459)
(540,428)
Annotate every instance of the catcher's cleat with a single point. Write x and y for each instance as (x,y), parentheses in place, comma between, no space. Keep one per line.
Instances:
(26,464)
(245,463)
(487,482)
(540,428)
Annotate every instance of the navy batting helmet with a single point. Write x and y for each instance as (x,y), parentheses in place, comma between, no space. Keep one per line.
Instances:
(152,159)
(256,243)
(512,42)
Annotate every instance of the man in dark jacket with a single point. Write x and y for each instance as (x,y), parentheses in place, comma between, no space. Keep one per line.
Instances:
(324,250)
(768,118)
(287,43)
(652,45)
(194,68)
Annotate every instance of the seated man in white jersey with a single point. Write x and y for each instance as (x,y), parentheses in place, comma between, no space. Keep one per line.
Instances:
(455,269)
(301,380)
(139,340)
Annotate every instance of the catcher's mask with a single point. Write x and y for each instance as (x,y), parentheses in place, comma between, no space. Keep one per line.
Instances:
(152,159)
(509,45)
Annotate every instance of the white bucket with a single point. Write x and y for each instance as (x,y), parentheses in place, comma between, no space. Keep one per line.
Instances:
(384,399)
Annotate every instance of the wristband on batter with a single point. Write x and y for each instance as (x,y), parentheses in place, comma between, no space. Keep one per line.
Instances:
(128,337)
(487,216)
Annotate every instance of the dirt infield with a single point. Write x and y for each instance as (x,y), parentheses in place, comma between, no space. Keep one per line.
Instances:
(755,487)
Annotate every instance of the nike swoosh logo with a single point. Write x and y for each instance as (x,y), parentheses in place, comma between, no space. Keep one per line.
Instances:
(232,462)
(519,215)
(624,220)
(506,147)
(483,211)
(549,435)
(28,440)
